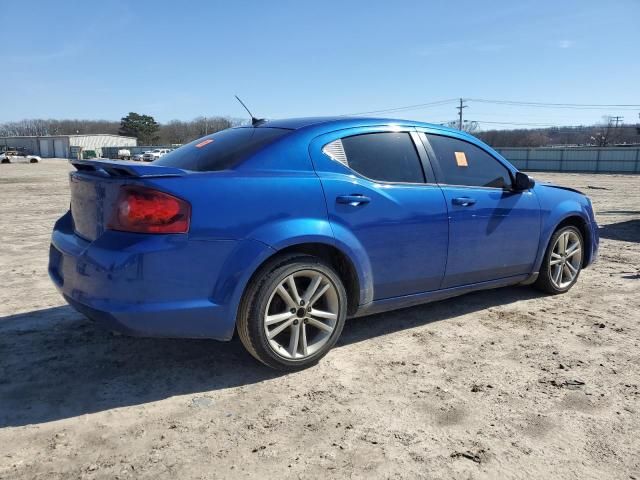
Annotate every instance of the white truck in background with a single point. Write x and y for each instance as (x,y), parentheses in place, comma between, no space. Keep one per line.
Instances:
(124,154)
(155,154)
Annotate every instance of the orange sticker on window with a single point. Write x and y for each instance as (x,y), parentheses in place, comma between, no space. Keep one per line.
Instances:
(205,142)
(461,159)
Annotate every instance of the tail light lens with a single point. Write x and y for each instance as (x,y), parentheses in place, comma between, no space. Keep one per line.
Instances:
(145,210)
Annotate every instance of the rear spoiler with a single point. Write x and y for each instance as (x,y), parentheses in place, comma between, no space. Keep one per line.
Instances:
(118,168)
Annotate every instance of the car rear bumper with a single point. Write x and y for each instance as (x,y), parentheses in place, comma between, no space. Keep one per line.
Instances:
(151,285)
(173,320)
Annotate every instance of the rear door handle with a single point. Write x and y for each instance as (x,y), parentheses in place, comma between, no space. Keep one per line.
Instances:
(464,201)
(354,199)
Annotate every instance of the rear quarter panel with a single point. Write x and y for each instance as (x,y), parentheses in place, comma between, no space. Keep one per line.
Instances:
(275,199)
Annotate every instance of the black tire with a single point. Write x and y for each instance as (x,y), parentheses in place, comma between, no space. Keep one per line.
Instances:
(6,160)
(250,321)
(545,281)
(33,160)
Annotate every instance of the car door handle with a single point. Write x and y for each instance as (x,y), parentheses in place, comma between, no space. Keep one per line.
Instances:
(464,201)
(354,199)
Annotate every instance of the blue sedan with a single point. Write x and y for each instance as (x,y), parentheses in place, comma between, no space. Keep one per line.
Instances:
(283,229)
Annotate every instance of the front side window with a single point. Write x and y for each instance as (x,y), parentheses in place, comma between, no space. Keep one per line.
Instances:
(462,163)
(385,156)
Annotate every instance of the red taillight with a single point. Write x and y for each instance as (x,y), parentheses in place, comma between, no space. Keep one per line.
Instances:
(145,210)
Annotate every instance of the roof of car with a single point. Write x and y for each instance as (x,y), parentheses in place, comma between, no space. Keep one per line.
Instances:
(344,122)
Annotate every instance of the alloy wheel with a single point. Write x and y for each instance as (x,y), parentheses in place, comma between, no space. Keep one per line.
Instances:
(301,314)
(565,259)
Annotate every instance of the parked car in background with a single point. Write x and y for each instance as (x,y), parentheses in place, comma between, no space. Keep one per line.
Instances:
(281,230)
(18,156)
(155,154)
(138,157)
(124,154)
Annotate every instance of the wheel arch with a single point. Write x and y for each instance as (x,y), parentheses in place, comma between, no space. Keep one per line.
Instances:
(575,219)
(330,239)
(339,260)
(315,236)
(326,250)
(582,225)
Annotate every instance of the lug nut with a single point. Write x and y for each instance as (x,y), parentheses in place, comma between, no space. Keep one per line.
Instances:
(295,322)
(293,310)
(302,303)
(308,309)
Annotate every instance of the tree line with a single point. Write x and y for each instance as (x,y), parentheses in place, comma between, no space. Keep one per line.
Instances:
(149,132)
(143,127)
(607,134)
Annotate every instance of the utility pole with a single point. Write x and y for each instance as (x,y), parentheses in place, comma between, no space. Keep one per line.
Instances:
(462,105)
(617,119)
(612,126)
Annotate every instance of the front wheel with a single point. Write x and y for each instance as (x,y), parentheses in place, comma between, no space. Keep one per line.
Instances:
(562,261)
(293,312)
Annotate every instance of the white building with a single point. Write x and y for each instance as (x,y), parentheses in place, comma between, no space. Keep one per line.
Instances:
(66,146)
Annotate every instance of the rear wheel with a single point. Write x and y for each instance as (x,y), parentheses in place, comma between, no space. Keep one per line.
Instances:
(293,312)
(562,261)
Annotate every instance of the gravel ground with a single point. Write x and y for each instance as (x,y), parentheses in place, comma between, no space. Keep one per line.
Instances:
(506,383)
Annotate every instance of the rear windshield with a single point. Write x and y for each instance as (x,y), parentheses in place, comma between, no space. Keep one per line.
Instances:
(221,150)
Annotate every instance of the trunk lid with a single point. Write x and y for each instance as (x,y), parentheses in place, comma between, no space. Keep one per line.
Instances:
(95,188)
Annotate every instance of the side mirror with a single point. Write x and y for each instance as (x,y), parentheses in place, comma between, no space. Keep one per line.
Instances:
(523,182)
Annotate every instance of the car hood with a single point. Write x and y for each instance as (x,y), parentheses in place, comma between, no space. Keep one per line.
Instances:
(560,187)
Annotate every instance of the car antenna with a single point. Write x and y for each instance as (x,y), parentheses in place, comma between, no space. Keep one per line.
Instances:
(254,121)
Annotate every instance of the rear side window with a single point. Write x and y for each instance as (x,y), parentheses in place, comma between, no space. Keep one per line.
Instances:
(222,150)
(462,163)
(386,156)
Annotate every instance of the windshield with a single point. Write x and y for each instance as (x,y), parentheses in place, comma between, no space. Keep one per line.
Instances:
(221,150)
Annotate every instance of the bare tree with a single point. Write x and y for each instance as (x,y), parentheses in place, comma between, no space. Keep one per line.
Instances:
(608,132)
(468,126)
(57,127)
(173,132)
(179,132)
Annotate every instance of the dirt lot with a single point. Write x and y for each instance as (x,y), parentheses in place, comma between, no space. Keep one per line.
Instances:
(507,383)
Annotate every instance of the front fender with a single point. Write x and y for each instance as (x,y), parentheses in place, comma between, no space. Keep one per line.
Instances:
(553,217)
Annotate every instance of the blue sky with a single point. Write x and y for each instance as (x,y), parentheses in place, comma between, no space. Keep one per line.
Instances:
(169,59)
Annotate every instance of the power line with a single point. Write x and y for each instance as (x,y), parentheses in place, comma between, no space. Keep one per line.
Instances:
(462,104)
(574,106)
(551,125)
(529,124)
(407,107)
(577,106)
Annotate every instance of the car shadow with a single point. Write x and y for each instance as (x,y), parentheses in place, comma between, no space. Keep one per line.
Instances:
(627,231)
(55,364)
(364,328)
